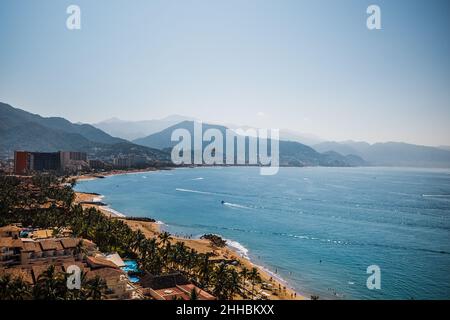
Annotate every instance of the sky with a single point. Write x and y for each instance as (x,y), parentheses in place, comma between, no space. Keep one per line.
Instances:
(312,66)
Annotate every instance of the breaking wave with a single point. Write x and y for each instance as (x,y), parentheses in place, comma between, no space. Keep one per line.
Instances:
(239,248)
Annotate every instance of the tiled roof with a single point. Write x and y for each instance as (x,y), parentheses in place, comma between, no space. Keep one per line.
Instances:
(58,245)
(105,273)
(42,234)
(81,265)
(48,244)
(171,294)
(203,295)
(100,262)
(69,242)
(10,228)
(9,242)
(31,246)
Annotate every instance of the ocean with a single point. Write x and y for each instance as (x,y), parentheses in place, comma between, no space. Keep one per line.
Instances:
(317,228)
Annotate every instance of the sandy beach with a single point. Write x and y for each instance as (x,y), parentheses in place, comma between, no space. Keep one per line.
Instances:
(113,173)
(272,287)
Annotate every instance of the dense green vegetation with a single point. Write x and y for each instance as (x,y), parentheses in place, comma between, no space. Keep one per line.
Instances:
(48,202)
(51,285)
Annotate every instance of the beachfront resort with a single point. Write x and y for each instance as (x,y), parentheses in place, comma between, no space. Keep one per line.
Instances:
(47,230)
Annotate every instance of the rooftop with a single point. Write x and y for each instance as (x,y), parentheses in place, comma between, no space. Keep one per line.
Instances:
(100,262)
(48,244)
(202,295)
(105,273)
(10,228)
(70,242)
(42,234)
(9,242)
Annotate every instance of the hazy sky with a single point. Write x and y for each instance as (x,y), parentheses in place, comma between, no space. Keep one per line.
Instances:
(311,66)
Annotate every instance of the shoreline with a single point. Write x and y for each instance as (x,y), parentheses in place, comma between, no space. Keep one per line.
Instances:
(273,282)
(93,176)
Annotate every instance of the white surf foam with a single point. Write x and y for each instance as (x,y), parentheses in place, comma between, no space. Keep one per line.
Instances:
(239,248)
(243,251)
(114,212)
(273,274)
(98,198)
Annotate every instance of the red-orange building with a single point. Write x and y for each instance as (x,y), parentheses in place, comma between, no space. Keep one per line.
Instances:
(21,162)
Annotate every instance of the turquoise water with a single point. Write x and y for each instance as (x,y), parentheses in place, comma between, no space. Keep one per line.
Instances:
(318,228)
(131,266)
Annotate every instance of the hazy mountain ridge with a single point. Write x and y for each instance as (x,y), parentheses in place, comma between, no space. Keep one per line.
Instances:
(391,153)
(11,117)
(131,130)
(291,153)
(21,130)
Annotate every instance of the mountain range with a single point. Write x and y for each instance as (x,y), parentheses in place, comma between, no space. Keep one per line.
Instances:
(291,153)
(131,130)
(21,130)
(391,153)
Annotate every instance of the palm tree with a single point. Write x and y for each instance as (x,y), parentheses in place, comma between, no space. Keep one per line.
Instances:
(244,273)
(204,270)
(254,279)
(80,249)
(21,203)
(14,289)
(193,295)
(95,288)
(221,280)
(165,243)
(139,237)
(50,285)
(165,238)
(234,283)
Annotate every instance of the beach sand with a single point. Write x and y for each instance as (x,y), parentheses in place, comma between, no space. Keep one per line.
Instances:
(92,176)
(274,287)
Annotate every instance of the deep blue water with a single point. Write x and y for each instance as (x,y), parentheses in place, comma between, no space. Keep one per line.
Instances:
(319,228)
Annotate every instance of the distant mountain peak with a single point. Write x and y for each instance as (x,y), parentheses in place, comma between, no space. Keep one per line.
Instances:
(112,120)
(22,130)
(291,153)
(391,153)
(178,118)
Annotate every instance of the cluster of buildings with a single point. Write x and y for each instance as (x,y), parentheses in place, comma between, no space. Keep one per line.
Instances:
(172,286)
(65,161)
(27,253)
(70,162)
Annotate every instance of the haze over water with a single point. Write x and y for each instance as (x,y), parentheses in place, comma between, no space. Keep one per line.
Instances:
(320,228)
